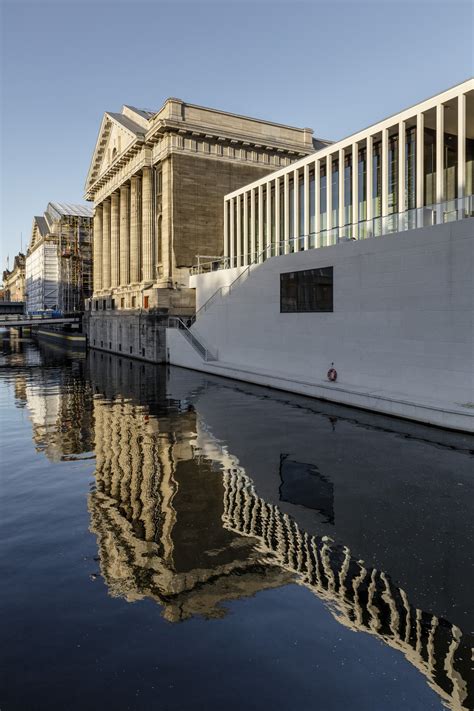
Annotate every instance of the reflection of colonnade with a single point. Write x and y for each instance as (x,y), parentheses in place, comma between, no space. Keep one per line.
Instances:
(360,598)
(157,513)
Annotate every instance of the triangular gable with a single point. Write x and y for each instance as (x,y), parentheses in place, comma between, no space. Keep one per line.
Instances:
(117,133)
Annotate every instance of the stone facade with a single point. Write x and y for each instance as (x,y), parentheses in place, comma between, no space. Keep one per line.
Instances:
(158,180)
(14,280)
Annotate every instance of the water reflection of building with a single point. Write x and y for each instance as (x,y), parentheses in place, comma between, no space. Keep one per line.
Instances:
(179,521)
(360,598)
(157,511)
(59,403)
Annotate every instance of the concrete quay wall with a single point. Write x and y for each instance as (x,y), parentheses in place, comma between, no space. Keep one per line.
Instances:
(401,335)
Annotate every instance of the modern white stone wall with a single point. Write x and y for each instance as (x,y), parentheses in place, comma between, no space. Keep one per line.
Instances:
(401,331)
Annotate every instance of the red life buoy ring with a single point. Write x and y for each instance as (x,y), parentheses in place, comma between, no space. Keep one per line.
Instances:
(332,375)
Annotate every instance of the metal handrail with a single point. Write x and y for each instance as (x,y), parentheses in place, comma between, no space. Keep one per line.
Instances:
(197,343)
(229,287)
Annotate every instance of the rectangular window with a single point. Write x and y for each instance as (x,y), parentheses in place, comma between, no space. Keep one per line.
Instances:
(309,290)
(146,302)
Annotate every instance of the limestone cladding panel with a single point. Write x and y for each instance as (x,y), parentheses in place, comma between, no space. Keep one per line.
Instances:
(98,248)
(147,225)
(114,240)
(106,245)
(124,234)
(199,187)
(135,230)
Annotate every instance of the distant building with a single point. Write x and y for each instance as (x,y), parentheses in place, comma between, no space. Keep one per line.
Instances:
(14,280)
(59,259)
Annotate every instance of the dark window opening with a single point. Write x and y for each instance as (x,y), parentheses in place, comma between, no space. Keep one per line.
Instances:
(120,346)
(143,352)
(309,290)
(131,349)
(110,345)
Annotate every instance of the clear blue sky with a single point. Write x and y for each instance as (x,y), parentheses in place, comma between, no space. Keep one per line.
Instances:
(332,65)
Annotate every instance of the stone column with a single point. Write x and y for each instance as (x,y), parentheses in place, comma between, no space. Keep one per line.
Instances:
(246,228)
(124,234)
(238,246)
(369,179)
(420,156)
(231,231)
(306,216)
(384,173)
(277,216)
(296,211)
(401,166)
(341,190)
(440,153)
(97,263)
(147,225)
(114,240)
(355,190)
(461,145)
(286,213)
(106,245)
(135,230)
(226,229)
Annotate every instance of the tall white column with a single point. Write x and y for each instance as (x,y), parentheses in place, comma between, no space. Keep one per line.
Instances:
(341,160)
(147,225)
(238,236)
(269,221)
(306,205)
(370,179)
(461,145)
(401,166)
(420,159)
(260,222)
(114,240)
(328,196)
(286,198)
(384,172)
(296,210)
(277,216)
(317,203)
(97,263)
(253,245)
(106,245)
(246,229)
(232,232)
(355,190)
(440,153)
(124,234)
(226,229)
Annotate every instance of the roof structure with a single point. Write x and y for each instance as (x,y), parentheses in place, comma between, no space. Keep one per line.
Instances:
(42,225)
(70,209)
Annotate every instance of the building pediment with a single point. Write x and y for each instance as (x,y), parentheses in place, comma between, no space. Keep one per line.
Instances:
(118,132)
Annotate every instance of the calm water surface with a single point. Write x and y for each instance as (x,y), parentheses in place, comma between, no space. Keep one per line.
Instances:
(175,541)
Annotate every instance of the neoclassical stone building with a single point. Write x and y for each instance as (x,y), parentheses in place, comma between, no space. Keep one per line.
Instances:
(157,180)
(14,279)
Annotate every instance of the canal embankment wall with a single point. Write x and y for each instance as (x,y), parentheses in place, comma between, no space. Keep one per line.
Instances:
(401,335)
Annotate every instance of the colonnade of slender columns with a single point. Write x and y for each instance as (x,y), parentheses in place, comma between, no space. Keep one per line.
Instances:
(386,181)
(123,235)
